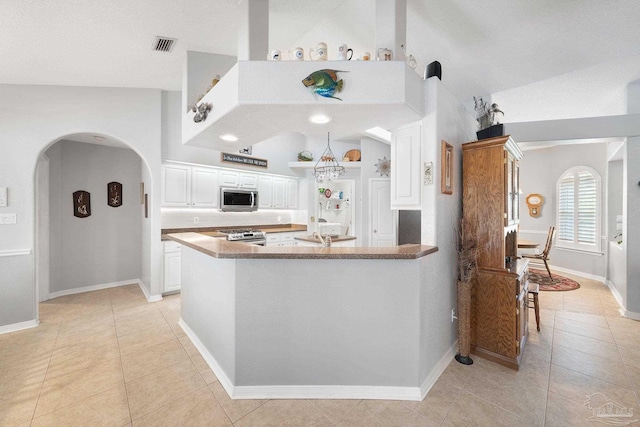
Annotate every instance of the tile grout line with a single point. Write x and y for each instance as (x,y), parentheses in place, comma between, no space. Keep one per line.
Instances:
(33,415)
(126,391)
(553,334)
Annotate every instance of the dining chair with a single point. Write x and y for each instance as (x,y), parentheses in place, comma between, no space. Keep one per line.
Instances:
(544,256)
(534,288)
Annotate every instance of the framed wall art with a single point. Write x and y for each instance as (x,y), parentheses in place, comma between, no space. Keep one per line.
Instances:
(81,204)
(446,168)
(114,194)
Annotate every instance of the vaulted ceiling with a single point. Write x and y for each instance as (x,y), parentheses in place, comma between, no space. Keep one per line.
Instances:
(484,47)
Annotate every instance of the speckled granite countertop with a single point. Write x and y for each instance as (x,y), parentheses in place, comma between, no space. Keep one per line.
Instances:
(212,231)
(335,239)
(221,248)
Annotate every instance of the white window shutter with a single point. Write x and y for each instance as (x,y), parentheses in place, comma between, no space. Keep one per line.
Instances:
(578,215)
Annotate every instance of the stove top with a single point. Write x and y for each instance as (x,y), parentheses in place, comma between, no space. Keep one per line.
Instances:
(244,234)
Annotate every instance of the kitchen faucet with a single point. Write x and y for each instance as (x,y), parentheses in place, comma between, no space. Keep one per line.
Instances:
(326,242)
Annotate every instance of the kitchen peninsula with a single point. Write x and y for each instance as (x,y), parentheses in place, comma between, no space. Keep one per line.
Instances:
(308,322)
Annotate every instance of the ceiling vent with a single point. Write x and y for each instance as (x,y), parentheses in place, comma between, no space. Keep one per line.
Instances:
(163,44)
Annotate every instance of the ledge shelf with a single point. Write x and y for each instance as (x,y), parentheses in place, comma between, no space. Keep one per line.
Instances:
(257,100)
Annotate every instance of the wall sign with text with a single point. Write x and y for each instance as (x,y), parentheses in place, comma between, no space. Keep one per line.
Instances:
(243,160)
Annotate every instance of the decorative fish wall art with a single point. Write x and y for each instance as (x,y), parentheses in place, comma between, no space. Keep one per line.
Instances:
(325,83)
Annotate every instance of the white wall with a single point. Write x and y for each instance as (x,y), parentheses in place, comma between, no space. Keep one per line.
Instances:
(539,173)
(583,93)
(33,117)
(631,225)
(104,247)
(447,120)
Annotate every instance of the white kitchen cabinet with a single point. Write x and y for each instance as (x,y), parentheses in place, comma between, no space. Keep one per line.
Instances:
(176,185)
(277,192)
(229,178)
(265,191)
(185,186)
(291,193)
(172,262)
(284,239)
(406,171)
(204,188)
(198,186)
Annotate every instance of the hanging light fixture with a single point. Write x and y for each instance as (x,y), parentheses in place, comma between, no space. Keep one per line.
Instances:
(327,167)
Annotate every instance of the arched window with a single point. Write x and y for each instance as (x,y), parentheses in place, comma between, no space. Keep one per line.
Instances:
(579,209)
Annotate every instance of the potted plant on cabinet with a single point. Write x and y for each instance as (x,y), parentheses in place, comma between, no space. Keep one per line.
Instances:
(467,251)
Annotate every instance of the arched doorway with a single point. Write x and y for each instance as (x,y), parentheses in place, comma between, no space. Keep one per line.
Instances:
(106,248)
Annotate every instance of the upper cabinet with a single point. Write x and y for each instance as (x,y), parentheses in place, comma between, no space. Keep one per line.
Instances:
(230,178)
(204,188)
(491,187)
(185,185)
(406,160)
(176,188)
(277,192)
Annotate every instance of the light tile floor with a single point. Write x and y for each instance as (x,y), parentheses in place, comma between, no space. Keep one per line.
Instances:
(110,358)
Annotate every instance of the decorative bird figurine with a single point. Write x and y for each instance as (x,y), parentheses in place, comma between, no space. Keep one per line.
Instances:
(324,83)
(494,111)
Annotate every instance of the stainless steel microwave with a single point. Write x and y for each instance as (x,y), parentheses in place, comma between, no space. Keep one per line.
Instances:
(238,200)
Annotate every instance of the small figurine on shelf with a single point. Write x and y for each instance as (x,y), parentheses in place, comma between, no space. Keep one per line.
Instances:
(202,111)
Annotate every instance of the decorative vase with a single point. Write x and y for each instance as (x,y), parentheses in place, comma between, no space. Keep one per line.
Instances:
(464,323)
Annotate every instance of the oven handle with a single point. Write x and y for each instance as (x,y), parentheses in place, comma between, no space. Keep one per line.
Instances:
(253,199)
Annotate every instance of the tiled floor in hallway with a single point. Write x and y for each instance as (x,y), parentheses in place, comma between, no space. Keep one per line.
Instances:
(110,358)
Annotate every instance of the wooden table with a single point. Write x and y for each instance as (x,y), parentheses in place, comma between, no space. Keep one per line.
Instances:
(527,244)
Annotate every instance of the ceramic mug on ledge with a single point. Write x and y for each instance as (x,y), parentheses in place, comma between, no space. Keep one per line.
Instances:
(344,54)
(385,54)
(320,51)
(274,55)
(297,54)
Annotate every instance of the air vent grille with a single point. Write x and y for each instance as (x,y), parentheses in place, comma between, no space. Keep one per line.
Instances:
(163,44)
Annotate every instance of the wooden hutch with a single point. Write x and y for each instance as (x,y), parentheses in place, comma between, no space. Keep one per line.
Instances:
(491,185)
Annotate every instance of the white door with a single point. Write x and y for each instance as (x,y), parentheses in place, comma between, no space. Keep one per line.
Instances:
(384,221)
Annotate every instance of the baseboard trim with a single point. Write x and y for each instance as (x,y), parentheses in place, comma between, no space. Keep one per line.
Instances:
(440,367)
(211,361)
(630,314)
(14,327)
(615,293)
(623,311)
(312,391)
(147,295)
(327,392)
(93,288)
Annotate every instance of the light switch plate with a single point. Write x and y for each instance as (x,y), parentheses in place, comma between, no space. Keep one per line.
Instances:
(4,201)
(9,218)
